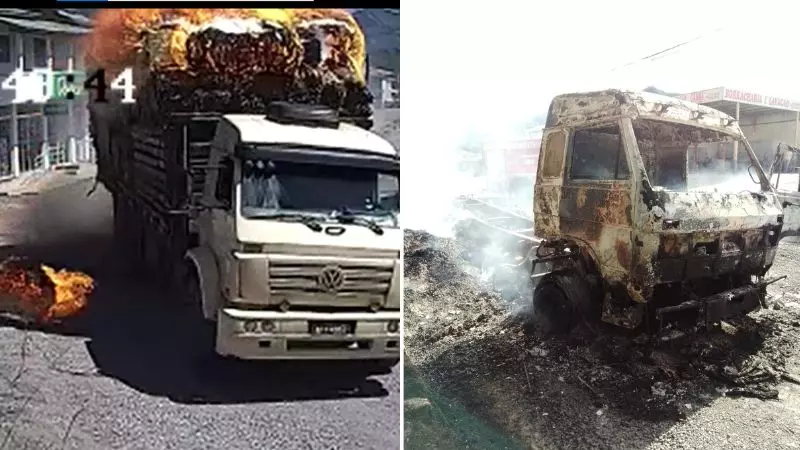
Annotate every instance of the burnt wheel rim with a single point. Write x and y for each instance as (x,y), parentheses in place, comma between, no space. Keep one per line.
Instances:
(551,304)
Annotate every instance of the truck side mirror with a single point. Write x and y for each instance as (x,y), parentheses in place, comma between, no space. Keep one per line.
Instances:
(750,172)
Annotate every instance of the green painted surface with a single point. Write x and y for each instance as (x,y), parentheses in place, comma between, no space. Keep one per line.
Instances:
(444,424)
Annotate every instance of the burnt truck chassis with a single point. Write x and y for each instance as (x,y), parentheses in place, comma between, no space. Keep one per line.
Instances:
(717,292)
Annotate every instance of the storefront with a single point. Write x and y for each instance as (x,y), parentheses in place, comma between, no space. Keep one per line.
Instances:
(765,120)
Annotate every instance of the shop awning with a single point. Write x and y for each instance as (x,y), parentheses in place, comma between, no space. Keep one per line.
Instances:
(43,26)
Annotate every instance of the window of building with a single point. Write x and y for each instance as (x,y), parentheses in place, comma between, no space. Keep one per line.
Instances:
(5,146)
(5,49)
(597,154)
(39,52)
(30,141)
(224,190)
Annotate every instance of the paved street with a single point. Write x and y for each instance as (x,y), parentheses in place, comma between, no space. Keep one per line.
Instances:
(125,375)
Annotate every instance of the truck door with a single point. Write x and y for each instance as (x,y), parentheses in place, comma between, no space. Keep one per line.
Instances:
(784,175)
(596,199)
(549,181)
(216,220)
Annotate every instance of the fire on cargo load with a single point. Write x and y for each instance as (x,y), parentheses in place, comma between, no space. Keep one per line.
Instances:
(121,35)
(40,293)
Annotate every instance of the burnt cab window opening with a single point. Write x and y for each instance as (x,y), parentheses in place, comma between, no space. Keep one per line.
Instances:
(685,158)
(598,154)
(553,158)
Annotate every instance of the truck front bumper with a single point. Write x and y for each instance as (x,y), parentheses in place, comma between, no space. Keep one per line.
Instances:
(248,334)
(731,303)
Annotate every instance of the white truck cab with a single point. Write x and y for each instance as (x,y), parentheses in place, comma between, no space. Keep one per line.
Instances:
(298,251)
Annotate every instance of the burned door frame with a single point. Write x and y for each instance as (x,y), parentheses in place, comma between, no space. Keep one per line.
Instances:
(598,214)
(789,200)
(549,181)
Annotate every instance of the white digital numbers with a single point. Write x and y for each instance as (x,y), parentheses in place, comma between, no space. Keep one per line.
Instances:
(43,85)
(34,86)
(124,83)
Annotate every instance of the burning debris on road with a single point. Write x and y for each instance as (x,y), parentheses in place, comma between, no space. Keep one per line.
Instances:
(41,294)
(236,60)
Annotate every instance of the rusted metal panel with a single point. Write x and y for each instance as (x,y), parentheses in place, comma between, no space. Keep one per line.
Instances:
(598,217)
(570,110)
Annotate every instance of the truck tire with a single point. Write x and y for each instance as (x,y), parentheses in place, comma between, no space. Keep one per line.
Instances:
(193,300)
(378,366)
(560,301)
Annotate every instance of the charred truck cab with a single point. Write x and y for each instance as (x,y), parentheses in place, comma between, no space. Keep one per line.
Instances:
(298,238)
(651,210)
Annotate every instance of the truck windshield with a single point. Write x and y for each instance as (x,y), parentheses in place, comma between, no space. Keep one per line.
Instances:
(686,158)
(277,187)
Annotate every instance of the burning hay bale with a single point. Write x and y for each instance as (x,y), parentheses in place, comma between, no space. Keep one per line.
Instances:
(40,294)
(232,48)
(236,60)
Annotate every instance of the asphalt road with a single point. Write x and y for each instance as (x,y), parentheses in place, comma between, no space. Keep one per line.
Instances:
(125,374)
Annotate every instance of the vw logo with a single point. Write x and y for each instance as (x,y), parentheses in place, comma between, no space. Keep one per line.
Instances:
(331,279)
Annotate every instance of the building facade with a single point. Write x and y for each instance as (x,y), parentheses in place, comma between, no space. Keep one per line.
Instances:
(765,120)
(385,88)
(38,39)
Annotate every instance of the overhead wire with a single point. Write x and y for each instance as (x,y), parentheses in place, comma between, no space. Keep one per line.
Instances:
(661,53)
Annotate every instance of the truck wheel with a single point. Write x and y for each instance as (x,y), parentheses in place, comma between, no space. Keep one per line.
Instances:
(558,301)
(379,366)
(192,297)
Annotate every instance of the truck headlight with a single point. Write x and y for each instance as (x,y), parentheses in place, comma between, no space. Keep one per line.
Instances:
(250,326)
(393,326)
(267,326)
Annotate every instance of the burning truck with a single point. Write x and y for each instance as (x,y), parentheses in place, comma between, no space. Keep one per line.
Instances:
(245,177)
(631,229)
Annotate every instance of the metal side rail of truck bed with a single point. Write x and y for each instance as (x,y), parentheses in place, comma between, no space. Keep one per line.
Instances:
(498,219)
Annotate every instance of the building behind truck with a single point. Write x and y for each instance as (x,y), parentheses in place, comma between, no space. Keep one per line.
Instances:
(765,120)
(30,40)
(274,212)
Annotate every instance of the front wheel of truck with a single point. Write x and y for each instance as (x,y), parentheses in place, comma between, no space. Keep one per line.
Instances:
(193,299)
(557,302)
(379,366)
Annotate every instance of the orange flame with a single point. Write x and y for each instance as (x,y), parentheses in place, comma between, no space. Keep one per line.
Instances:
(119,36)
(45,294)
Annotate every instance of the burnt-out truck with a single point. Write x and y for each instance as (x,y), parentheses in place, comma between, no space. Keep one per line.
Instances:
(277,224)
(650,210)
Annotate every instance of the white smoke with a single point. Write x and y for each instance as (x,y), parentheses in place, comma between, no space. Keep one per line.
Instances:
(435,177)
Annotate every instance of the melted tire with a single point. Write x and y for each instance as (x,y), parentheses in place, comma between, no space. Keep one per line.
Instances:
(560,301)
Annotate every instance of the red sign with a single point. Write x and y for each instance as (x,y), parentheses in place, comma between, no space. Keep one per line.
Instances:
(707,96)
(521,159)
(737,95)
(758,99)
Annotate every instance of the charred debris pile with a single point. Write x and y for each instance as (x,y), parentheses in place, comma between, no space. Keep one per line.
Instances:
(237,60)
(458,326)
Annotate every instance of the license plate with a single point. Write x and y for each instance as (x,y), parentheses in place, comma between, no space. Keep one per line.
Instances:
(332,328)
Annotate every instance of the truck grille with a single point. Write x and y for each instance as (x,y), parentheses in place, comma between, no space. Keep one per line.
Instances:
(293,278)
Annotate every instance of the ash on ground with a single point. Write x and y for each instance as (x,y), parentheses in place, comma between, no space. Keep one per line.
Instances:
(473,343)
